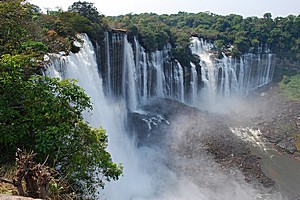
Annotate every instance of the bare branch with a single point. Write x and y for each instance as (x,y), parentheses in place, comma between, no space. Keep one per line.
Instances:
(6,181)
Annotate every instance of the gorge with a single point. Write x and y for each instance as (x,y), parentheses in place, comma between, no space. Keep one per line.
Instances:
(148,106)
(151,107)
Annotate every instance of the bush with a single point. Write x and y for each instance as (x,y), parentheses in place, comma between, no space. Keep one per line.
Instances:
(291,86)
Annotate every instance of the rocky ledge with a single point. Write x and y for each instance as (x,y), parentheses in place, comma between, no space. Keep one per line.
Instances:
(191,135)
(278,118)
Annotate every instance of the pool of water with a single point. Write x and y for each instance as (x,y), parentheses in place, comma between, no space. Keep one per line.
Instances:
(284,169)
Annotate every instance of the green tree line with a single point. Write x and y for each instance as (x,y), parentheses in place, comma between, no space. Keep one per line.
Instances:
(242,35)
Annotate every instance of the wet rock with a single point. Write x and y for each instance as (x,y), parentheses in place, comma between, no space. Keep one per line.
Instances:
(279,119)
(196,134)
(288,145)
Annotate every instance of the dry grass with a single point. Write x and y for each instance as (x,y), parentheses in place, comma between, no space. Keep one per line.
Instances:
(7,172)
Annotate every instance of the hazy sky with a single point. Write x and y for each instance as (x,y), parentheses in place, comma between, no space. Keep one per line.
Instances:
(222,7)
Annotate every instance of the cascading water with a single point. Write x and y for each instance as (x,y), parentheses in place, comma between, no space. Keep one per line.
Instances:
(127,80)
(129,86)
(194,85)
(107,58)
(142,75)
(208,74)
(231,76)
(138,75)
(109,114)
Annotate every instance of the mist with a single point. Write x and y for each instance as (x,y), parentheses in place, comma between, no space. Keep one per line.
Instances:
(173,164)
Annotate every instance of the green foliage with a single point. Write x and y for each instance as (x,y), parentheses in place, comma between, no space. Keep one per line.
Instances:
(22,24)
(44,114)
(148,28)
(87,10)
(245,35)
(14,20)
(23,29)
(34,47)
(291,86)
(219,43)
(242,44)
(83,17)
(89,159)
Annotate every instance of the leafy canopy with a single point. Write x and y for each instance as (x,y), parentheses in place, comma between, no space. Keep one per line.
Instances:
(44,114)
(232,34)
(87,10)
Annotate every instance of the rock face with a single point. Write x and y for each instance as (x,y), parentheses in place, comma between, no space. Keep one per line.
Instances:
(278,119)
(11,197)
(193,136)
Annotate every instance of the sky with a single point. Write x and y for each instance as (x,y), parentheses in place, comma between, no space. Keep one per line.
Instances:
(246,8)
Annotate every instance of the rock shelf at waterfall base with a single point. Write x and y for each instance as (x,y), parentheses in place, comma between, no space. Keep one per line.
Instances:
(193,135)
(278,118)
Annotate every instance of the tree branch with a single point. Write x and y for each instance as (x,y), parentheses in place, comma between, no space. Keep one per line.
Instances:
(6,181)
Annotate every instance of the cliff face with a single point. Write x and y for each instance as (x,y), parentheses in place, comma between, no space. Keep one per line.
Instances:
(131,73)
(188,135)
(288,64)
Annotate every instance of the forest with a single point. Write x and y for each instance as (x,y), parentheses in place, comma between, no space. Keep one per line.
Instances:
(41,115)
(232,34)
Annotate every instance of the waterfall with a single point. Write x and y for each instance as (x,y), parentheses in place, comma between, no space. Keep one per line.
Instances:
(135,75)
(157,59)
(142,75)
(208,69)
(129,85)
(229,76)
(110,115)
(107,58)
(130,77)
(194,84)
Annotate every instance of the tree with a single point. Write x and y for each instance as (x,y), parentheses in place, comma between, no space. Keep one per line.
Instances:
(87,10)
(268,16)
(13,20)
(44,115)
(87,20)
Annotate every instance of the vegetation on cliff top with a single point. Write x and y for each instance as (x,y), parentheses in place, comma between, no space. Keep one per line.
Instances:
(231,34)
(291,86)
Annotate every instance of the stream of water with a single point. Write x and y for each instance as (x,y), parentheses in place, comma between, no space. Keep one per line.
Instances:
(284,169)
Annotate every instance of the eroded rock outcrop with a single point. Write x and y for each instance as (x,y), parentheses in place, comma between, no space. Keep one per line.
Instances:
(196,138)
